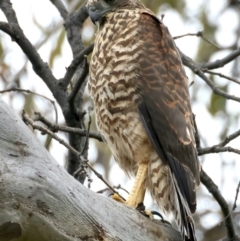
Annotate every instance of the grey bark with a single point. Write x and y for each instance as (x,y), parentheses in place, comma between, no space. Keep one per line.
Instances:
(40,201)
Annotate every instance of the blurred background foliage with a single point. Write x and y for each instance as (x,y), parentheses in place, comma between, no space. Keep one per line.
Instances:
(200,16)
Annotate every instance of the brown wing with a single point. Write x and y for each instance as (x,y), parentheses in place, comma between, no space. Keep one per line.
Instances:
(165,107)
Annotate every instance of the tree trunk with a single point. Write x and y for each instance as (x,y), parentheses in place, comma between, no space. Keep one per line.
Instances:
(40,201)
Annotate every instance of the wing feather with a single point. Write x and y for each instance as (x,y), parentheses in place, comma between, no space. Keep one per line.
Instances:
(164,105)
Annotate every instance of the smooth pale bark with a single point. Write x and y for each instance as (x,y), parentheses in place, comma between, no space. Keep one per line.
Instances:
(40,201)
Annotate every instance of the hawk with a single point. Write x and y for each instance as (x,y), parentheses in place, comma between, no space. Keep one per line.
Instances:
(141,98)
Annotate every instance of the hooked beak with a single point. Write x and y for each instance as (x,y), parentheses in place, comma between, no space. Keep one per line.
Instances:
(94,13)
(97,10)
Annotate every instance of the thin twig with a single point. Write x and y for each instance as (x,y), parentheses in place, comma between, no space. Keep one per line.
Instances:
(74,65)
(236,197)
(208,150)
(55,128)
(222,76)
(87,135)
(41,69)
(213,189)
(221,146)
(221,62)
(197,69)
(34,93)
(28,120)
(197,138)
(117,187)
(235,202)
(198,34)
(229,138)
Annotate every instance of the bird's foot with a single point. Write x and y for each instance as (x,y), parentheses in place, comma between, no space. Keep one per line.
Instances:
(150,214)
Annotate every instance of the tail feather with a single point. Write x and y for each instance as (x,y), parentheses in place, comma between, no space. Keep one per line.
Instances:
(187,224)
(165,191)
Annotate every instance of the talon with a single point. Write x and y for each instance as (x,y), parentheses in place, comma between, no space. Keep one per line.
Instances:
(141,208)
(150,214)
(158,214)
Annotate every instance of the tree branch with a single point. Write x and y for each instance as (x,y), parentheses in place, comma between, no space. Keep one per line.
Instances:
(222,76)
(213,189)
(40,200)
(75,64)
(82,132)
(34,93)
(29,121)
(197,69)
(221,62)
(221,146)
(79,82)
(61,8)
(73,25)
(216,149)
(198,34)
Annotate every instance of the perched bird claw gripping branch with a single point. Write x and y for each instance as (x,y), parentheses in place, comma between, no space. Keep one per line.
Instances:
(140,92)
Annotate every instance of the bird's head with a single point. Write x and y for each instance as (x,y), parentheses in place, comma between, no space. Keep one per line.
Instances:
(98,9)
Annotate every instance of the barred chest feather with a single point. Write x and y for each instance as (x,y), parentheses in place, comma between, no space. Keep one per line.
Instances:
(113,87)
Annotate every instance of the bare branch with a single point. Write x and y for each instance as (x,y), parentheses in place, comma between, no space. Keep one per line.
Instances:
(198,34)
(74,65)
(87,136)
(34,93)
(221,75)
(41,69)
(217,149)
(213,189)
(79,82)
(55,128)
(61,8)
(28,120)
(197,70)
(221,62)
(116,187)
(221,146)
(6,7)
(236,197)
(229,138)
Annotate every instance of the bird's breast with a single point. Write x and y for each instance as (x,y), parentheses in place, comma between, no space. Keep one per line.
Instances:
(113,81)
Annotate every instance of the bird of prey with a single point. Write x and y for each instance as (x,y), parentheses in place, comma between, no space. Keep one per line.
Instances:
(141,98)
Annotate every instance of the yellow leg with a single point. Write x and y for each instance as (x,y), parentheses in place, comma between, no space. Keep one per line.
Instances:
(139,188)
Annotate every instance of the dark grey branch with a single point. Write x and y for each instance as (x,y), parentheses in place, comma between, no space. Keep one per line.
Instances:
(73,25)
(41,69)
(222,76)
(221,146)
(197,69)
(61,8)
(213,189)
(221,62)
(217,149)
(82,132)
(6,7)
(79,82)
(75,64)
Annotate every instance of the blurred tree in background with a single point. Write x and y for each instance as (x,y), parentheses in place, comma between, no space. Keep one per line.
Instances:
(219,25)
